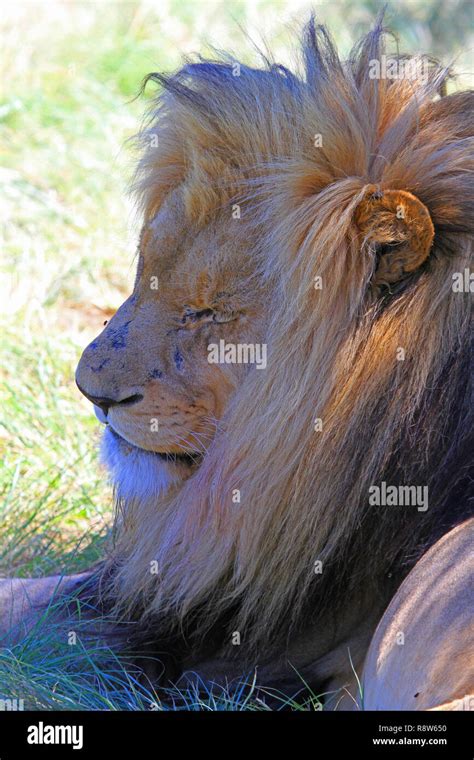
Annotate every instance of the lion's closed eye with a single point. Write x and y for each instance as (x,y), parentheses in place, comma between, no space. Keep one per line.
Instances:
(192,316)
(195,317)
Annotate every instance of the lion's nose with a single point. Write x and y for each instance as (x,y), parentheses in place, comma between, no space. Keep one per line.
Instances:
(105,402)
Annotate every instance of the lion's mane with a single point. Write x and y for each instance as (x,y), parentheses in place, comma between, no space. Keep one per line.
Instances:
(251,139)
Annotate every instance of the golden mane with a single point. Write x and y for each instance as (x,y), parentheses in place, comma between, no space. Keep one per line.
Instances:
(299,153)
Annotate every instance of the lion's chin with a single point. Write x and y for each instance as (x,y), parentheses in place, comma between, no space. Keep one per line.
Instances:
(139,474)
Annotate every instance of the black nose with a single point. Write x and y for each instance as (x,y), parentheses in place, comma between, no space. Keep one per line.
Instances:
(104,402)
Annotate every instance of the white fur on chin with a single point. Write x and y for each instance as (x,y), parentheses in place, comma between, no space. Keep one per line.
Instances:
(138,474)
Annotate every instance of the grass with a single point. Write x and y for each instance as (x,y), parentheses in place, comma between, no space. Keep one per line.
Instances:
(54,669)
(69,73)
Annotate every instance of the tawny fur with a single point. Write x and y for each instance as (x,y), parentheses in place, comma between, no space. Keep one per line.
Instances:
(333,352)
(426,634)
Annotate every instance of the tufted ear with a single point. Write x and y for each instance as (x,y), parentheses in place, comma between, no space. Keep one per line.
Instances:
(399,227)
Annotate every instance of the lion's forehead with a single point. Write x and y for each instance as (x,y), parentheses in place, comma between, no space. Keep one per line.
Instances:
(193,262)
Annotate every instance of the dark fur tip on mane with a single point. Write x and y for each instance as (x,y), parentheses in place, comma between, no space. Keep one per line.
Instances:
(246,119)
(319,55)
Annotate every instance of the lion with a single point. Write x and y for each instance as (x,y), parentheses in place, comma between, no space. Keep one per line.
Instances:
(267,513)
(433,651)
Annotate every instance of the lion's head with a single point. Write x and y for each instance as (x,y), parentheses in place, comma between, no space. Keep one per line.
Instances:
(322,218)
(153,374)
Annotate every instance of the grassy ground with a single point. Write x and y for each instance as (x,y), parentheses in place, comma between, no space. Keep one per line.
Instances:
(68,74)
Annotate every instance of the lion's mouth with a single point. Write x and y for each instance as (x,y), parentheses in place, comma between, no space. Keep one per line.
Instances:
(190,459)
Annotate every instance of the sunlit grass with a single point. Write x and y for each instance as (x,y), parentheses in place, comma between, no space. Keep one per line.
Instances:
(55,505)
(54,668)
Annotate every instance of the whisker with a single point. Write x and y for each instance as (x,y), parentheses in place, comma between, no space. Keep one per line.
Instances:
(185,449)
(197,437)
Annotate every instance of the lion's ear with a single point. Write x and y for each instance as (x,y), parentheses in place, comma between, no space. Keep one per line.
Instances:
(399,227)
